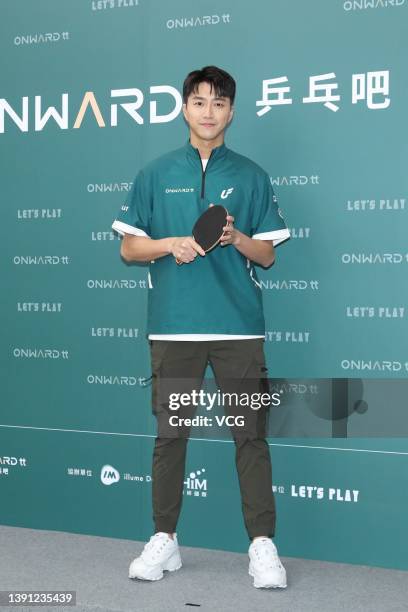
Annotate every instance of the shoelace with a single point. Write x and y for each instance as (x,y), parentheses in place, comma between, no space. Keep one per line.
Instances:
(154,540)
(263,549)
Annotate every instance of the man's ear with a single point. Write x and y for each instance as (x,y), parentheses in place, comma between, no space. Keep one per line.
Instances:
(231,114)
(184,107)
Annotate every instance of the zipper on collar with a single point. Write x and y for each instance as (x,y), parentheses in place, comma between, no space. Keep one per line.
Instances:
(203,172)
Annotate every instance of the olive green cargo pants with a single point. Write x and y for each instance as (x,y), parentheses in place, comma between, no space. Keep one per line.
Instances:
(238,366)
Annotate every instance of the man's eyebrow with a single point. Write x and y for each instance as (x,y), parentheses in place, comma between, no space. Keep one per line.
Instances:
(216,98)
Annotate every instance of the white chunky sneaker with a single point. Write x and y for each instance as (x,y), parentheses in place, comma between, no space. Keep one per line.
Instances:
(265,566)
(160,553)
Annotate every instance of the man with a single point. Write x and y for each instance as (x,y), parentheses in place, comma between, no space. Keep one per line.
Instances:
(207,309)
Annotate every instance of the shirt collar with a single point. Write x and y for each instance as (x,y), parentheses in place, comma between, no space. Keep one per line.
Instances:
(194,154)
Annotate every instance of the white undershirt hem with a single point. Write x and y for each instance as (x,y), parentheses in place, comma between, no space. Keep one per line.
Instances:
(196,337)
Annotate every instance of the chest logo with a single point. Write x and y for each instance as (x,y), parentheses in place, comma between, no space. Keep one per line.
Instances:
(179,189)
(226,192)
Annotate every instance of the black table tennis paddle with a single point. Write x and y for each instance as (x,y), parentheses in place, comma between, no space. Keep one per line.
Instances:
(208,229)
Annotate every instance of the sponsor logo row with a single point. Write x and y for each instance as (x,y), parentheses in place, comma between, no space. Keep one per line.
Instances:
(360,258)
(195,484)
(21,353)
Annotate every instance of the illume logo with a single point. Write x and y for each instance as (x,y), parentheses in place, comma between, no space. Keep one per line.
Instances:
(109,475)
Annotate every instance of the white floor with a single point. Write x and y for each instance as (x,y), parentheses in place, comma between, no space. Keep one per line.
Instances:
(96,568)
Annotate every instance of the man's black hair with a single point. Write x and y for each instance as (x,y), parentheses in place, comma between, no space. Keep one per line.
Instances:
(221,81)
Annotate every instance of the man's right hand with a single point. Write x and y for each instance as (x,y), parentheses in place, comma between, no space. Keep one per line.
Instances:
(185,249)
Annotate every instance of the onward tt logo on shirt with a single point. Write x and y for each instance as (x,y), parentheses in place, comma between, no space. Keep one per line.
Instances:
(226,192)
(179,189)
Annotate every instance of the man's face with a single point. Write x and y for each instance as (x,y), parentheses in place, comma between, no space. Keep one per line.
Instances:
(206,114)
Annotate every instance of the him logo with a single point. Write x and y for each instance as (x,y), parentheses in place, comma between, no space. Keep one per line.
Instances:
(109,475)
(196,486)
(226,192)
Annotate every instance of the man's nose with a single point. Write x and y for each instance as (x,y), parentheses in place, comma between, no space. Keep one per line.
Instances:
(208,111)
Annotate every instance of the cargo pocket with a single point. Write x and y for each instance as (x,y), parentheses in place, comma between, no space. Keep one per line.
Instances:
(264,388)
(158,350)
(261,368)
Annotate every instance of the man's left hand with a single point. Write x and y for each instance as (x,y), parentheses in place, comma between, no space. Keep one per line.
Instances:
(230,235)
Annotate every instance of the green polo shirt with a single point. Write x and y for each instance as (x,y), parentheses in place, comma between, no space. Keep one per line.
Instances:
(219,293)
